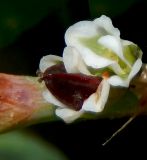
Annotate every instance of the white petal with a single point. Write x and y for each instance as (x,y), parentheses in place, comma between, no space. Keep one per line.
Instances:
(68,115)
(92,59)
(48,61)
(104,24)
(113,43)
(126,42)
(80,29)
(89,57)
(135,69)
(87,29)
(118,81)
(73,61)
(96,102)
(51,99)
(116,68)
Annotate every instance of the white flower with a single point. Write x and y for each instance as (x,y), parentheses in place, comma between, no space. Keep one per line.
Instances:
(94,103)
(94,47)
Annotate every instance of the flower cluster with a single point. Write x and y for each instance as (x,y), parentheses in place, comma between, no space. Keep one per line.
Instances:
(94,48)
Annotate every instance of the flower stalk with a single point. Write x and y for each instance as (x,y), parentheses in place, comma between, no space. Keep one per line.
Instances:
(22,103)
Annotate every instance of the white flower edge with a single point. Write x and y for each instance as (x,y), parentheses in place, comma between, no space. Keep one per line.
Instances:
(106,23)
(73,61)
(118,81)
(94,103)
(88,29)
(102,25)
(48,61)
(109,38)
(113,43)
(91,59)
(52,99)
(68,115)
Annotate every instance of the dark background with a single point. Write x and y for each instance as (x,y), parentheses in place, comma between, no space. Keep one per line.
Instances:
(21,50)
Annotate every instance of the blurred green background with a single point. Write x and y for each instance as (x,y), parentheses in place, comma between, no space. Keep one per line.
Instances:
(30,29)
(24,146)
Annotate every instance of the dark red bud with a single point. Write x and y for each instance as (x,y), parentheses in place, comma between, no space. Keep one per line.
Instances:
(71,89)
(58,68)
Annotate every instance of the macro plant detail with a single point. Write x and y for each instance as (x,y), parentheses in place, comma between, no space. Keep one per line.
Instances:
(101,48)
(99,75)
(95,56)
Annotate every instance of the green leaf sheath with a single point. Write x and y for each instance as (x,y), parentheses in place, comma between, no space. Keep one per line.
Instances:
(22,104)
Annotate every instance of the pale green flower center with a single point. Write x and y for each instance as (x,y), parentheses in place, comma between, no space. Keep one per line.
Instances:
(131,53)
(92,44)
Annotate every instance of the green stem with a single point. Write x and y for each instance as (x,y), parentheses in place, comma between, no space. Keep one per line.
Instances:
(22,104)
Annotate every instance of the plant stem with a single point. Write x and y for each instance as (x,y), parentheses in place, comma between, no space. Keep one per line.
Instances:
(22,104)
